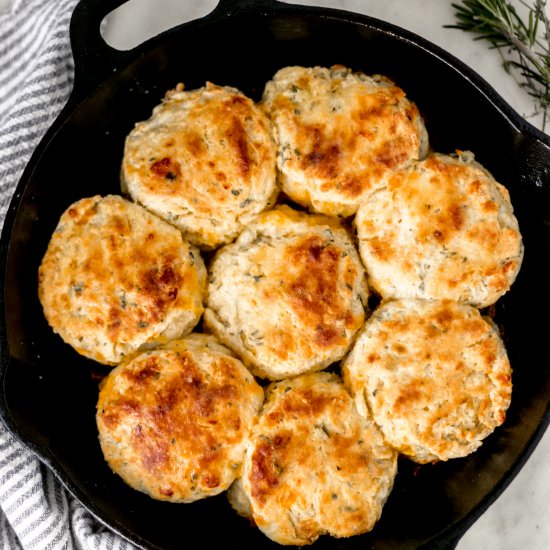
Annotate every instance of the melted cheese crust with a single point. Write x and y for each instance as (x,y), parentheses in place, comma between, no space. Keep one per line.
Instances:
(204,161)
(444,229)
(434,374)
(173,422)
(288,296)
(313,465)
(339,133)
(115,278)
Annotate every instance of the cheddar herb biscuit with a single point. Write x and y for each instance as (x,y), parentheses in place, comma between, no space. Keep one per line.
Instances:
(434,375)
(289,295)
(443,228)
(116,278)
(313,465)
(339,133)
(173,421)
(204,161)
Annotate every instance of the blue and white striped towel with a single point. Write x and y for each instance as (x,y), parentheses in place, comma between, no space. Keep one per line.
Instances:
(36,75)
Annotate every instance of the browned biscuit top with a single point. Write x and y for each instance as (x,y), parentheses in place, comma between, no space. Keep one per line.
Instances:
(339,132)
(289,294)
(314,465)
(173,421)
(435,376)
(204,161)
(443,228)
(115,277)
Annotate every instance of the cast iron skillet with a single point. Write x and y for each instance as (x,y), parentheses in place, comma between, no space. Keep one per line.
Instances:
(48,392)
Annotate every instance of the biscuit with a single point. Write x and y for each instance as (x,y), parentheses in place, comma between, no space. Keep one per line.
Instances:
(313,465)
(289,295)
(443,228)
(173,421)
(434,375)
(339,132)
(116,278)
(205,161)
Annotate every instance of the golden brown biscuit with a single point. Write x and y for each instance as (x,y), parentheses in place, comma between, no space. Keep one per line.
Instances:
(434,375)
(173,421)
(339,133)
(204,161)
(442,228)
(313,465)
(288,296)
(116,278)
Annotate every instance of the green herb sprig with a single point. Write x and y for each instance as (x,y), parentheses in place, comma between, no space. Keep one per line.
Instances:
(523,41)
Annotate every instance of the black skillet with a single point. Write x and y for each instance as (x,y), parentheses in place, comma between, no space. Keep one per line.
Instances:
(48,392)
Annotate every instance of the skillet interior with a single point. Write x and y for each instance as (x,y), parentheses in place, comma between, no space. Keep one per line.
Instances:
(49,392)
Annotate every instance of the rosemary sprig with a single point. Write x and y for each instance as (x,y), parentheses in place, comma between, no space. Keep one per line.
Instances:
(523,41)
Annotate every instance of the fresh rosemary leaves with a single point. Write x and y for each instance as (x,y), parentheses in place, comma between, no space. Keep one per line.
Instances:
(522,37)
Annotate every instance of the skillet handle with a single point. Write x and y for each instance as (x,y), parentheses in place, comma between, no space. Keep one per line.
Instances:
(532,162)
(94,59)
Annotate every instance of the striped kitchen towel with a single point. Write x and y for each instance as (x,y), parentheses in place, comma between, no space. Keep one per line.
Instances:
(36,72)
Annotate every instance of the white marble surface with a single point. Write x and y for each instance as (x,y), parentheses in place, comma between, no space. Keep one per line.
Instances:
(520,517)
